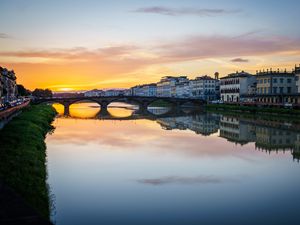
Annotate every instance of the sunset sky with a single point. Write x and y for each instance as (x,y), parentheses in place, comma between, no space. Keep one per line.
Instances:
(86,44)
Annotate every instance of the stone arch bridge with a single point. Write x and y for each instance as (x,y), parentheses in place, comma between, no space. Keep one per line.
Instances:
(104,101)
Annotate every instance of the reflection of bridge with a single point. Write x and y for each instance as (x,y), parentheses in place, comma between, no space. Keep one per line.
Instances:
(104,101)
(151,114)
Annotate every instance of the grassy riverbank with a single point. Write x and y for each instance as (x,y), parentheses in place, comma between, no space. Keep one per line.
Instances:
(23,156)
(292,114)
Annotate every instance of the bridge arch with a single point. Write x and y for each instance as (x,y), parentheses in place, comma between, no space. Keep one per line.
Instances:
(83,101)
(127,100)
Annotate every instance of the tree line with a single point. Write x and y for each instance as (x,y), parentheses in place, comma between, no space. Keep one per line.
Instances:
(38,92)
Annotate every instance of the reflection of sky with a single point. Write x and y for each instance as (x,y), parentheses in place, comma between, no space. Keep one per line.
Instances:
(134,172)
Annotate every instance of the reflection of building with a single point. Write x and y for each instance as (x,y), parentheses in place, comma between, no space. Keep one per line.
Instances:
(204,124)
(268,138)
(205,88)
(8,85)
(236,131)
(296,152)
(234,85)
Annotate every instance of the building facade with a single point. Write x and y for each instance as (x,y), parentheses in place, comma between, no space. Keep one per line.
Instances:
(275,86)
(182,89)
(8,85)
(233,86)
(297,78)
(94,93)
(205,88)
(146,90)
(113,92)
(166,87)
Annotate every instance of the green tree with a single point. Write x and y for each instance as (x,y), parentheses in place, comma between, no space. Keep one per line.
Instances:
(42,93)
(22,91)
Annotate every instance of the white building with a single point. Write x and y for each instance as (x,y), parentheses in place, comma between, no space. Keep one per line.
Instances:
(128,92)
(205,87)
(182,89)
(167,85)
(114,92)
(147,90)
(94,93)
(234,85)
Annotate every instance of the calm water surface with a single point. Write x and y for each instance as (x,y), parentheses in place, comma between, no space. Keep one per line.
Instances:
(126,168)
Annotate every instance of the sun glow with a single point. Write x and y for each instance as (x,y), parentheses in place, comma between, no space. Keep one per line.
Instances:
(65,89)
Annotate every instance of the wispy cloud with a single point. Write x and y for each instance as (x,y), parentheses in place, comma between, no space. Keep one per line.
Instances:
(4,36)
(240,60)
(73,53)
(203,47)
(187,180)
(122,59)
(184,11)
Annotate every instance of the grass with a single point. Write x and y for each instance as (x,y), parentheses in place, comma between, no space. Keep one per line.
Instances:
(291,114)
(23,155)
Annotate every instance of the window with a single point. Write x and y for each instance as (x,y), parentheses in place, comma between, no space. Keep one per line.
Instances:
(261,81)
(265,90)
(281,80)
(275,80)
(289,90)
(281,90)
(274,90)
(289,80)
(265,81)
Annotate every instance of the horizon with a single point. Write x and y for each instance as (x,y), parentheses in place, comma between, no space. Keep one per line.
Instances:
(101,45)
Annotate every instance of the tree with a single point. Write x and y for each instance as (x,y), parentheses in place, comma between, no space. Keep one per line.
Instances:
(42,93)
(22,91)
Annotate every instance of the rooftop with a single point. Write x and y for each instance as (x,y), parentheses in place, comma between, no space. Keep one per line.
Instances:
(237,74)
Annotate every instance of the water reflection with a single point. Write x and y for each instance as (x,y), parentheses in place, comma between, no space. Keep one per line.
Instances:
(178,167)
(269,136)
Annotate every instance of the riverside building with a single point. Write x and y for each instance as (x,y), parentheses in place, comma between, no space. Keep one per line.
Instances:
(205,87)
(234,85)
(166,87)
(8,85)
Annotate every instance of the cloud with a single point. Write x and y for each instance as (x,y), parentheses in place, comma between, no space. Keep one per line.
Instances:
(4,36)
(204,47)
(184,11)
(186,180)
(240,60)
(122,60)
(186,49)
(74,53)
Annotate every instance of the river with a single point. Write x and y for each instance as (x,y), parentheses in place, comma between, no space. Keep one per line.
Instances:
(182,168)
